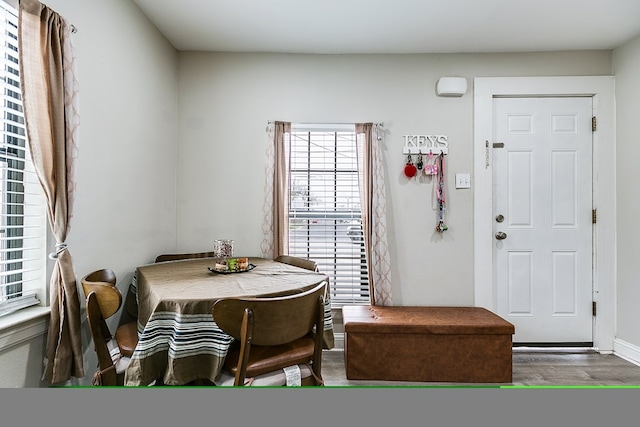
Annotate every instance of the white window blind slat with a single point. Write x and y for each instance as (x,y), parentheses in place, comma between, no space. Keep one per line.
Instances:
(324,207)
(22,213)
(23,300)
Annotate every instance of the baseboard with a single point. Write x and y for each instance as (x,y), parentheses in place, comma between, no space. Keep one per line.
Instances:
(627,351)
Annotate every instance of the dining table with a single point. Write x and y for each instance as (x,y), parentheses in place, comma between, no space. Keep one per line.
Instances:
(179,341)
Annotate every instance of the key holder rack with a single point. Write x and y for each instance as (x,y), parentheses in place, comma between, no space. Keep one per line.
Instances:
(425,144)
(430,146)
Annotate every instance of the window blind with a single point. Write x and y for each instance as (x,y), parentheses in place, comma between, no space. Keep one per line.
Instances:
(325,222)
(22,214)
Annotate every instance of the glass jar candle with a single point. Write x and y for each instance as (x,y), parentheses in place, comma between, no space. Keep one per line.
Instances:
(223,248)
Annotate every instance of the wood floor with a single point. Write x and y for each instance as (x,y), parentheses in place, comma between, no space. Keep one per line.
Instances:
(531,367)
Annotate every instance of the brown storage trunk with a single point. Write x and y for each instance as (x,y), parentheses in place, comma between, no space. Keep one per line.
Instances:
(429,344)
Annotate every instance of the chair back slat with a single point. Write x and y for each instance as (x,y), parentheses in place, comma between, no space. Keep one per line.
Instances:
(298,262)
(103,283)
(277,320)
(177,257)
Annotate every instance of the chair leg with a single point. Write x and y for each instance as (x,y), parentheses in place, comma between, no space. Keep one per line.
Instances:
(246,333)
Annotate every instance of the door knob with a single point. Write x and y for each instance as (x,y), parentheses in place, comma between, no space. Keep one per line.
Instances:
(501,235)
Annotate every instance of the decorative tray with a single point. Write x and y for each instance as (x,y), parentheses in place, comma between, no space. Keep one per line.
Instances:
(214,270)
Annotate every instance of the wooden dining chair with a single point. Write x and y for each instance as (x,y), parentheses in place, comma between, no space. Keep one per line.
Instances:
(176,257)
(131,305)
(109,299)
(277,338)
(111,362)
(298,262)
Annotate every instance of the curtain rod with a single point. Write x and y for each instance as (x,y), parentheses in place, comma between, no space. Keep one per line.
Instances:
(270,122)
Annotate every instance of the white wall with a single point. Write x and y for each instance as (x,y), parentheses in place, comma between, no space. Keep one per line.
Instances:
(227,99)
(125,208)
(627,70)
(139,96)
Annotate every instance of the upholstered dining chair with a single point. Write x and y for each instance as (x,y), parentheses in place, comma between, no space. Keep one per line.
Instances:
(109,299)
(278,339)
(111,362)
(298,262)
(176,257)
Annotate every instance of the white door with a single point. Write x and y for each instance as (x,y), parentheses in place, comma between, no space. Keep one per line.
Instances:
(542,199)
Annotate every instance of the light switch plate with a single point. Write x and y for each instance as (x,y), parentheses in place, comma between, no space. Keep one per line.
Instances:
(463,180)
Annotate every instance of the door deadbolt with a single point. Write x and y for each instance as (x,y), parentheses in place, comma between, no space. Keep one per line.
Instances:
(499,218)
(501,235)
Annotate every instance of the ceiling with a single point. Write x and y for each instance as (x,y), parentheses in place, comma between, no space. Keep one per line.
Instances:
(394,26)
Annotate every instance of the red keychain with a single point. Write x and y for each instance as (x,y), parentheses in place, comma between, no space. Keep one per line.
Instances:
(409,169)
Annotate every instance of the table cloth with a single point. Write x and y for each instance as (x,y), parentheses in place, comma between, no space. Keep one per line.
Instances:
(179,341)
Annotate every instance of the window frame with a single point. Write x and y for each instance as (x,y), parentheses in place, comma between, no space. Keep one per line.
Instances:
(31,210)
(343,288)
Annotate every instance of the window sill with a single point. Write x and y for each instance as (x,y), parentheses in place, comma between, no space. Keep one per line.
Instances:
(23,325)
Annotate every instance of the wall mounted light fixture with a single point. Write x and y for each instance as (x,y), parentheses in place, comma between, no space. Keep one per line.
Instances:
(451,86)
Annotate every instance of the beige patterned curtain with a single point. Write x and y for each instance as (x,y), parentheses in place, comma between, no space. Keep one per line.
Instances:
(374,212)
(275,225)
(49,94)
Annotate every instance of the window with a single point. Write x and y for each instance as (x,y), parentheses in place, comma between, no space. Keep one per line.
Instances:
(22,213)
(325,222)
